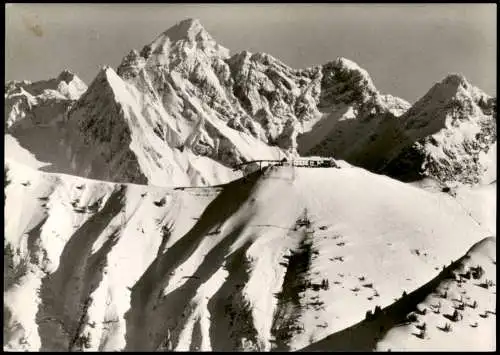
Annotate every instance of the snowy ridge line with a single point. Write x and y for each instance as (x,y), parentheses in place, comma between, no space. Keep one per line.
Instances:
(12,161)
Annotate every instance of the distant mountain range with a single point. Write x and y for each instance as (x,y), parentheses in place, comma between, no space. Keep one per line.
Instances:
(185,111)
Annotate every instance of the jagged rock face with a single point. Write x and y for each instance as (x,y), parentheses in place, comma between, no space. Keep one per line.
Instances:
(28,104)
(182,61)
(255,94)
(183,70)
(344,82)
(272,93)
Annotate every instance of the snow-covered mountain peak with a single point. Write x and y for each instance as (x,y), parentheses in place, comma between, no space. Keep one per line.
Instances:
(184,48)
(453,97)
(348,81)
(70,85)
(109,72)
(41,101)
(190,29)
(448,88)
(100,82)
(458,87)
(186,38)
(452,87)
(67,84)
(104,70)
(350,66)
(451,133)
(108,79)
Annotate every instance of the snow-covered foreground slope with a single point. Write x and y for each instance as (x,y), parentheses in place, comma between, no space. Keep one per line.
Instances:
(70,239)
(278,260)
(469,291)
(454,311)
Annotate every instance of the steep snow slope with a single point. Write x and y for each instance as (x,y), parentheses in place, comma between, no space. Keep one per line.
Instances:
(137,136)
(70,240)
(101,266)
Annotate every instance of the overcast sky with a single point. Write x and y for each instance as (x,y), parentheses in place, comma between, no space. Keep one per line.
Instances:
(405,48)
